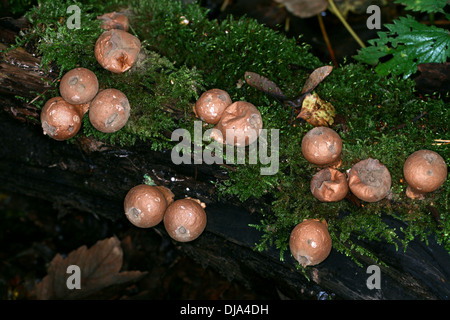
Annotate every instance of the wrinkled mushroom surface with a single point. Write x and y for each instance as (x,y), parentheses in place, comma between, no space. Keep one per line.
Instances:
(240,125)
(369,180)
(322,146)
(144,206)
(109,111)
(329,185)
(424,171)
(117,50)
(60,120)
(211,104)
(185,220)
(310,242)
(78,86)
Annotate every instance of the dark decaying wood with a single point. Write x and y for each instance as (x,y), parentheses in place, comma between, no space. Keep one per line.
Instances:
(94,177)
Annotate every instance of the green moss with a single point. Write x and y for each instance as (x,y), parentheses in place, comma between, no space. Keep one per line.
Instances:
(185,53)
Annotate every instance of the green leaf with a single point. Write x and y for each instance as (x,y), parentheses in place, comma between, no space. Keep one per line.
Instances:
(406,44)
(429,6)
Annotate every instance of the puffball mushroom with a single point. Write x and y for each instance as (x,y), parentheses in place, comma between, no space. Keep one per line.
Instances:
(109,111)
(185,219)
(310,242)
(114,20)
(329,185)
(60,120)
(211,104)
(78,86)
(322,146)
(424,171)
(117,50)
(145,205)
(369,180)
(240,124)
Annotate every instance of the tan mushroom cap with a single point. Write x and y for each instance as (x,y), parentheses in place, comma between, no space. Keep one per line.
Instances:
(78,86)
(211,105)
(114,20)
(310,242)
(185,220)
(329,185)
(60,120)
(322,146)
(117,50)
(424,171)
(144,206)
(369,180)
(109,111)
(240,125)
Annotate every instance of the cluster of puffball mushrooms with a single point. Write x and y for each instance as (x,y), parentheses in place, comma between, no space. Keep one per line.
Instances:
(369,180)
(147,205)
(241,119)
(116,50)
(185,219)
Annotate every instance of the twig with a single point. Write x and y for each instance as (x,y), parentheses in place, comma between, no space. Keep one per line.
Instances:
(336,11)
(327,40)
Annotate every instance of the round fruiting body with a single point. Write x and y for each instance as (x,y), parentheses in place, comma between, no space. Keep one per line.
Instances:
(117,50)
(114,20)
(185,220)
(329,185)
(60,120)
(144,206)
(78,86)
(369,180)
(310,242)
(240,125)
(322,146)
(211,105)
(109,111)
(424,171)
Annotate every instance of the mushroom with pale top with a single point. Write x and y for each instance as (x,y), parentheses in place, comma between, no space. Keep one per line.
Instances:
(61,120)
(145,205)
(424,171)
(329,185)
(240,125)
(109,111)
(185,219)
(322,146)
(78,86)
(369,180)
(117,50)
(310,242)
(211,104)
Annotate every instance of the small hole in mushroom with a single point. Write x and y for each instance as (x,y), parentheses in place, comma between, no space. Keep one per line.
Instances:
(182,230)
(73,81)
(111,119)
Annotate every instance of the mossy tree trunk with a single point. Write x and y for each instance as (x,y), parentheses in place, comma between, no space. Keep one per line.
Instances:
(94,177)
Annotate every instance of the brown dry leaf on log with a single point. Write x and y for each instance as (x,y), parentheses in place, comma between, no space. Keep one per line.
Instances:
(99,273)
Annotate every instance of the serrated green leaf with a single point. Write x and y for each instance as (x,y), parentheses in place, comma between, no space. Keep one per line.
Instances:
(429,6)
(410,43)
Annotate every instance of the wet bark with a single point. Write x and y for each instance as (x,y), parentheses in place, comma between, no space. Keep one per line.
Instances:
(94,177)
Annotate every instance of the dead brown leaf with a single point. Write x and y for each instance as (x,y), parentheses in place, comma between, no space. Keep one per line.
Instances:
(99,270)
(315,78)
(263,84)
